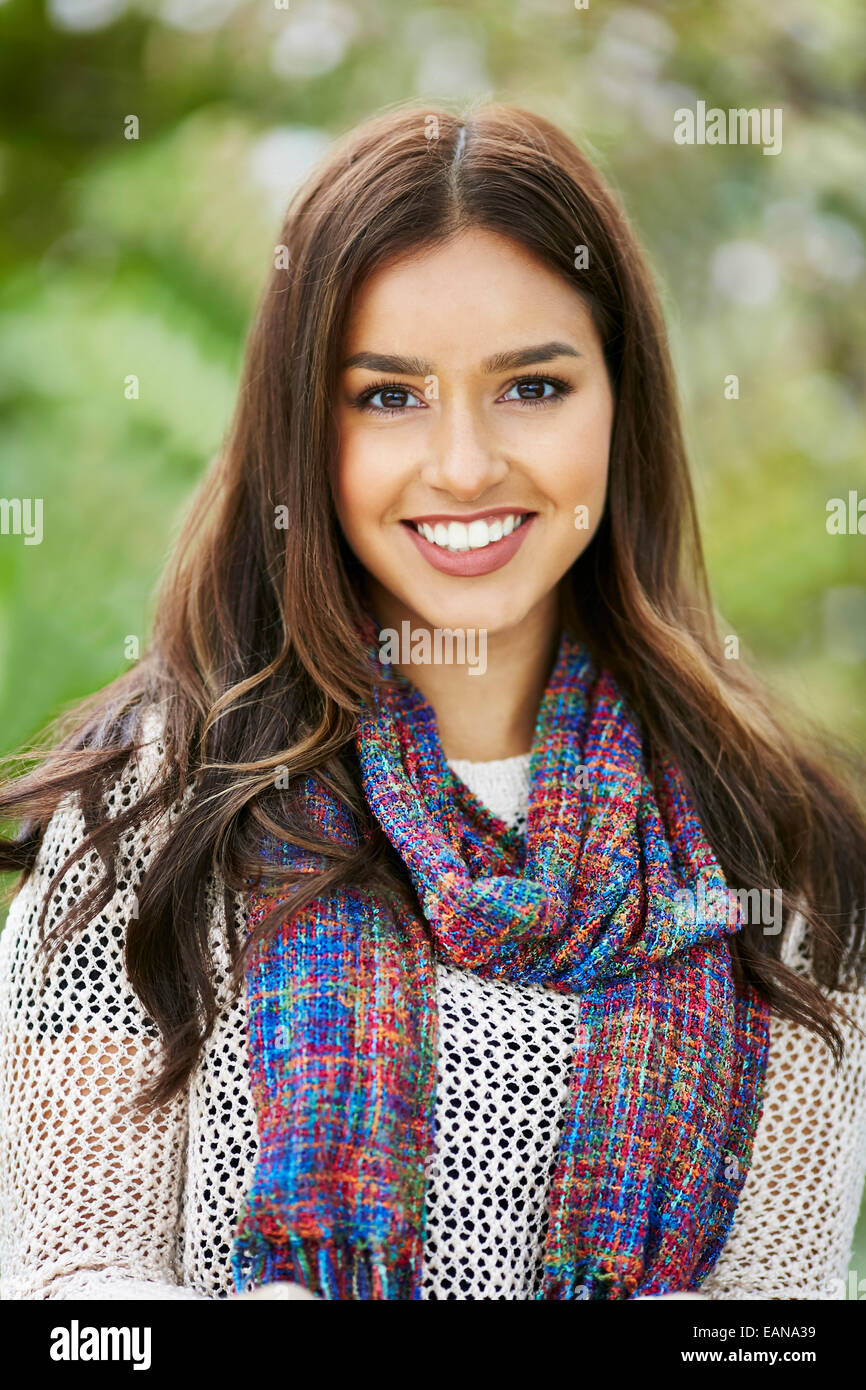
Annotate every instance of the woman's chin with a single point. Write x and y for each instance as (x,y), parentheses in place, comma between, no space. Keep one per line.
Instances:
(494,618)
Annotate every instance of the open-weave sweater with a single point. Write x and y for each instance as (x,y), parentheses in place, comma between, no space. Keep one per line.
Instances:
(98,1207)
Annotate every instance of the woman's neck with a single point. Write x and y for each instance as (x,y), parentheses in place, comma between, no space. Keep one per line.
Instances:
(489,711)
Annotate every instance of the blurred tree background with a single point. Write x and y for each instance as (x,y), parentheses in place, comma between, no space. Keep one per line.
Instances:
(144,257)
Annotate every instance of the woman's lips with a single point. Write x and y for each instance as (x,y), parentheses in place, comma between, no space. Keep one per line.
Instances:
(470,563)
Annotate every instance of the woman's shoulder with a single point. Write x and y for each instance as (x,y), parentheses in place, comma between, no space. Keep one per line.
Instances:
(149,762)
(149,755)
(68,829)
(797,954)
(83,978)
(67,866)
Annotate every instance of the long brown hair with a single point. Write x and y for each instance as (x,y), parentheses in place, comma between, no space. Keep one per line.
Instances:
(255,660)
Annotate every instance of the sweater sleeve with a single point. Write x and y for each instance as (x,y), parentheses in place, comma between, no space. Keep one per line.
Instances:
(794,1224)
(89,1195)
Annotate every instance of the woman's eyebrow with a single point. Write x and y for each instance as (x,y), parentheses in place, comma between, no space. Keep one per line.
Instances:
(500,362)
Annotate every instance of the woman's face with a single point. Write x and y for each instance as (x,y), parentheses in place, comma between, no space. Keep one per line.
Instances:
(474,419)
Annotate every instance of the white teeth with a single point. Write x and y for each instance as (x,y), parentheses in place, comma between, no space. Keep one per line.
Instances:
(459,537)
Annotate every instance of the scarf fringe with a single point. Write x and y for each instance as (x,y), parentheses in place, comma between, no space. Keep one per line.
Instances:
(607,1280)
(592,1280)
(336,1273)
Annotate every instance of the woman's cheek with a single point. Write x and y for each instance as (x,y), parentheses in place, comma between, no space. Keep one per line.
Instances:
(356,482)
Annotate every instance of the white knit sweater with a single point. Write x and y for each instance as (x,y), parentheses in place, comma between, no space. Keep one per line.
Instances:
(95,1204)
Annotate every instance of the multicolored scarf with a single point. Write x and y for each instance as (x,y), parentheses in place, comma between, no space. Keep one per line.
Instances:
(613,894)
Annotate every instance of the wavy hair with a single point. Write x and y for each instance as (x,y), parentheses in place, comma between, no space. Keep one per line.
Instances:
(255,660)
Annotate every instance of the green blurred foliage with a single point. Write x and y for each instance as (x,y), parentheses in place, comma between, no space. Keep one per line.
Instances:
(145,257)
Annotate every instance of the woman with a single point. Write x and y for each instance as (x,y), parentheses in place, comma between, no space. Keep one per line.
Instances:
(486,934)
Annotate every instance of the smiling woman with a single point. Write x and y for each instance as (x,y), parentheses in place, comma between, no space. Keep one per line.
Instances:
(374,982)
(518,438)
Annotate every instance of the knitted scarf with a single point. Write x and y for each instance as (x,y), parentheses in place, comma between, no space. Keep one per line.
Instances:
(613,894)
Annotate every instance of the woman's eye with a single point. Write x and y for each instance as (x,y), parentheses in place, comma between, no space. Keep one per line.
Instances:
(536,388)
(390,398)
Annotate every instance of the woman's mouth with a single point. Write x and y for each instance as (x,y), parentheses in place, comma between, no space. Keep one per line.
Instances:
(469,546)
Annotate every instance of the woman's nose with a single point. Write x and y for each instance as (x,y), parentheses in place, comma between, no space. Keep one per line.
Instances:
(464,457)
